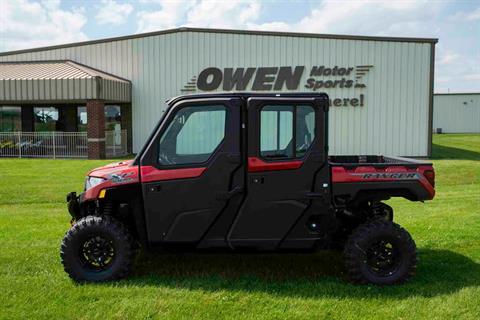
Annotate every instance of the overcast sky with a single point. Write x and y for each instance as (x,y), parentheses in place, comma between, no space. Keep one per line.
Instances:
(29,23)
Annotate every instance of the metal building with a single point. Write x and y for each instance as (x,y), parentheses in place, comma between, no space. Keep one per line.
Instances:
(381,88)
(456,112)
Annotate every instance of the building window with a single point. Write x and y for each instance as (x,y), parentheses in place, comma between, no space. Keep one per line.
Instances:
(10,119)
(82,119)
(286,131)
(46,119)
(113,117)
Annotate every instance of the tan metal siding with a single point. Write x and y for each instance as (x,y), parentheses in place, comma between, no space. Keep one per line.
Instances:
(457,113)
(58,81)
(393,121)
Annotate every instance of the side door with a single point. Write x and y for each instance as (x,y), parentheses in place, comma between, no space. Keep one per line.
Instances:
(188,168)
(286,153)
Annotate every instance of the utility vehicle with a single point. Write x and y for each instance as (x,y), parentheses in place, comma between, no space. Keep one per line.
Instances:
(240,172)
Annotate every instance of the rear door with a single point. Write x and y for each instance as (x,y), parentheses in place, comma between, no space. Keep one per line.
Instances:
(286,150)
(188,170)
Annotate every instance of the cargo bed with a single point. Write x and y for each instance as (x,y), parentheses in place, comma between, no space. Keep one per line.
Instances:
(374,160)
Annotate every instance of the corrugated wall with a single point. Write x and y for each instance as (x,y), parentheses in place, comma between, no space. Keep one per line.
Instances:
(393,120)
(456,113)
(48,90)
(63,90)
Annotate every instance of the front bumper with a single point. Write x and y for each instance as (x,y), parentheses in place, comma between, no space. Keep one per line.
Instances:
(73,204)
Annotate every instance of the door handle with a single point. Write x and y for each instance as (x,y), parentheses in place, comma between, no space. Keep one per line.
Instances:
(228,194)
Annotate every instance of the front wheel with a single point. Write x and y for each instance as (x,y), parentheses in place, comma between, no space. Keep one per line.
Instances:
(97,249)
(380,252)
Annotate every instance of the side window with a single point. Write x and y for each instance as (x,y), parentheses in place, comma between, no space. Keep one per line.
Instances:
(276,132)
(286,131)
(305,129)
(192,135)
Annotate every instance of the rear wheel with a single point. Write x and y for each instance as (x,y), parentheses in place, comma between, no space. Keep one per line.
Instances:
(97,249)
(380,252)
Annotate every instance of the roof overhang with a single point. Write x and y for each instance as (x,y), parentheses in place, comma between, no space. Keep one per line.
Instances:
(59,82)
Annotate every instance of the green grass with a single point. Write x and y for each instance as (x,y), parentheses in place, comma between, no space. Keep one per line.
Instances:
(33,220)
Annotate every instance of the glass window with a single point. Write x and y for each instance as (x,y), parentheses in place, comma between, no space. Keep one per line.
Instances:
(46,118)
(113,116)
(305,129)
(276,123)
(279,137)
(10,119)
(193,135)
(82,119)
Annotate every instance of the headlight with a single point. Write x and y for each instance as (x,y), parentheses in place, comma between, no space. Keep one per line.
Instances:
(91,182)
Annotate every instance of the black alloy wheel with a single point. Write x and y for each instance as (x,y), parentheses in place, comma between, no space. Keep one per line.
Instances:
(97,249)
(380,252)
(97,253)
(383,258)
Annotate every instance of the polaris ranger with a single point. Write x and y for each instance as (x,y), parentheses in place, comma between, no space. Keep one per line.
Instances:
(245,171)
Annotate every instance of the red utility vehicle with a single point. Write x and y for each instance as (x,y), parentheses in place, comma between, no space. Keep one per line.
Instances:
(245,171)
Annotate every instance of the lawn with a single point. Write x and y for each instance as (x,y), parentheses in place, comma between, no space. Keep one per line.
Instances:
(33,220)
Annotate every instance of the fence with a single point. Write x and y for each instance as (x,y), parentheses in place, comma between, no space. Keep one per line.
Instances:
(116,143)
(57,144)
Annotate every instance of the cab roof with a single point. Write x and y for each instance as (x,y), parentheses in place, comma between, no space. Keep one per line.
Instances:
(246,95)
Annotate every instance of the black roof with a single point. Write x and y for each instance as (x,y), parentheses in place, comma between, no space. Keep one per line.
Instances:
(248,94)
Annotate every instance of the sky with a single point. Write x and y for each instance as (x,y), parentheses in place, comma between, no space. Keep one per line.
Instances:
(35,23)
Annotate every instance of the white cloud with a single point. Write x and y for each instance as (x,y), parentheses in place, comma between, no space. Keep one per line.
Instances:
(198,13)
(401,18)
(27,24)
(448,58)
(225,14)
(473,16)
(112,12)
(466,16)
(471,77)
(456,71)
(170,15)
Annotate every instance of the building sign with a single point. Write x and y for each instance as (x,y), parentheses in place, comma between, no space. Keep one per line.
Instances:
(319,78)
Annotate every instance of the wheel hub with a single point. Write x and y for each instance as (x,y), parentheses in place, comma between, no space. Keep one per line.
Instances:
(383,258)
(97,253)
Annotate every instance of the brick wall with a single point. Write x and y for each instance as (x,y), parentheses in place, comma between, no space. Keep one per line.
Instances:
(96,129)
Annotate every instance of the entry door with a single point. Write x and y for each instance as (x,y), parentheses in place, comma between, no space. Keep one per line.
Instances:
(286,148)
(187,170)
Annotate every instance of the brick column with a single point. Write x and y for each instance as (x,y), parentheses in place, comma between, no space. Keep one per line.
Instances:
(126,123)
(96,129)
